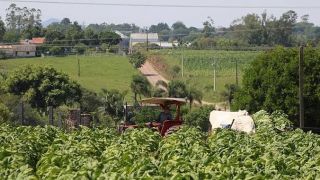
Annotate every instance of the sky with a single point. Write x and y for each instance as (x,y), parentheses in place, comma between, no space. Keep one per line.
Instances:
(146,16)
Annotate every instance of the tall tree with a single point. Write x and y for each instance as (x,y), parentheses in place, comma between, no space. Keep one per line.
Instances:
(208,27)
(43,87)
(249,29)
(271,83)
(140,86)
(91,37)
(193,95)
(109,38)
(283,34)
(24,21)
(159,27)
(2,29)
(113,101)
(179,30)
(74,32)
(179,89)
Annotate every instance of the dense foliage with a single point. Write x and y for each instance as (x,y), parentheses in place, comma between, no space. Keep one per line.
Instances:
(271,83)
(199,117)
(140,86)
(137,59)
(43,86)
(273,152)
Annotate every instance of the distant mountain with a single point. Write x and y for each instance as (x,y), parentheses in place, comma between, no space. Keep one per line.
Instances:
(49,21)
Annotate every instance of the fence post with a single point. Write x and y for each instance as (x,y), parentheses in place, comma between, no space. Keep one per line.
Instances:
(182,64)
(237,80)
(78,66)
(214,75)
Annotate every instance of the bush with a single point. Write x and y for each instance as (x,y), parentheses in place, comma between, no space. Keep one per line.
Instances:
(114,49)
(90,101)
(3,55)
(5,113)
(80,48)
(271,83)
(104,47)
(175,71)
(137,59)
(199,117)
(56,50)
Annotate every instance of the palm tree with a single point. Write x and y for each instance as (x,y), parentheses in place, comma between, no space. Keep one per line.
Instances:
(194,95)
(140,86)
(113,101)
(229,92)
(179,89)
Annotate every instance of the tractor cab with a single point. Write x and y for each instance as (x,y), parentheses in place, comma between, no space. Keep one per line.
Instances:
(165,126)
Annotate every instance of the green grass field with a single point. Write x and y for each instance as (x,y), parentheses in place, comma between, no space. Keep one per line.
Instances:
(96,72)
(199,67)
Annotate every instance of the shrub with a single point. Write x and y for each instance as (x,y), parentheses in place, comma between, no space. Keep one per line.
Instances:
(271,83)
(3,55)
(199,117)
(80,47)
(137,59)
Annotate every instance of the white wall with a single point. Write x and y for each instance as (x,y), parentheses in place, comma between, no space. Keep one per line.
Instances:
(25,54)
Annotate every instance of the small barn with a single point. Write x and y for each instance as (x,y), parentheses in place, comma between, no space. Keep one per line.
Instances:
(136,38)
(24,50)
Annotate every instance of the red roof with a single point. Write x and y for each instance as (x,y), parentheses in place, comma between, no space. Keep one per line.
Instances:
(38,40)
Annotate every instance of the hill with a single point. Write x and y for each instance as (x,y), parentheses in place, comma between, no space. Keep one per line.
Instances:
(96,72)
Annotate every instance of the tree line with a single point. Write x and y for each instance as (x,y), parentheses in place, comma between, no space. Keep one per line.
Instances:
(250,30)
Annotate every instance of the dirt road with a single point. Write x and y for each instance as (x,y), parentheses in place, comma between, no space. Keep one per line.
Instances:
(154,76)
(151,74)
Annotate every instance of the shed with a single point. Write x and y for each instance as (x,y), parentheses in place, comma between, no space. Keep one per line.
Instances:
(25,50)
(136,38)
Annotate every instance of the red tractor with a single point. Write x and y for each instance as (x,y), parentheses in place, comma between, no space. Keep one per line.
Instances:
(165,126)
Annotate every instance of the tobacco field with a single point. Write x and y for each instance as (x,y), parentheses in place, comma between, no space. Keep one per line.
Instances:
(275,151)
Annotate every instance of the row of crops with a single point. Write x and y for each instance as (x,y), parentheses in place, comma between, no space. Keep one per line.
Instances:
(223,63)
(205,60)
(274,152)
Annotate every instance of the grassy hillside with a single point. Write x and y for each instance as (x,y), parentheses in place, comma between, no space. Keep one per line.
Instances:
(199,65)
(111,72)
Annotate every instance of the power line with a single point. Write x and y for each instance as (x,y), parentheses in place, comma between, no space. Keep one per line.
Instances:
(166,5)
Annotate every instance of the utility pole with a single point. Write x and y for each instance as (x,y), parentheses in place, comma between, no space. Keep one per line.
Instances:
(182,64)
(301,84)
(78,66)
(214,75)
(237,80)
(147,39)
